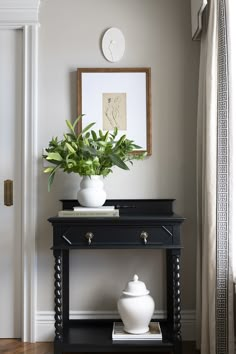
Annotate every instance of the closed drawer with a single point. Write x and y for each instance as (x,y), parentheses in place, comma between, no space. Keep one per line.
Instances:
(74,236)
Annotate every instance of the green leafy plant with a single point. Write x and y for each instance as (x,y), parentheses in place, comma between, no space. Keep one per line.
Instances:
(89,153)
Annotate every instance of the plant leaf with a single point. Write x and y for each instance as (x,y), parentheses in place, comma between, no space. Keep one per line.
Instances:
(70,148)
(115,132)
(118,162)
(48,169)
(120,141)
(50,180)
(77,120)
(100,133)
(70,126)
(54,156)
(87,128)
(94,135)
(106,136)
(90,150)
(136,146)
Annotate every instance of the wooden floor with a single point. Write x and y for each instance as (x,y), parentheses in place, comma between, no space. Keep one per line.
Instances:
(12,346)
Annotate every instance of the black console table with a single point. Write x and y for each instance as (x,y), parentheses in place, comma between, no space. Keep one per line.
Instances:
(143,224)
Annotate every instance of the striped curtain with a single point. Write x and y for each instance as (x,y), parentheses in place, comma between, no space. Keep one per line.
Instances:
(215,186)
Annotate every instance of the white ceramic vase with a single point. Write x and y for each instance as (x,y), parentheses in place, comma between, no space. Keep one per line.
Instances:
(91,193)
(136,307)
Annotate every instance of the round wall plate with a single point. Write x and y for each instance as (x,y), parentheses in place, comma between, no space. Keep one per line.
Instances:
(113,44)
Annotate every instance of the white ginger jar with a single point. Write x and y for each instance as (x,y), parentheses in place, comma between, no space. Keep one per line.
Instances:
(136,307)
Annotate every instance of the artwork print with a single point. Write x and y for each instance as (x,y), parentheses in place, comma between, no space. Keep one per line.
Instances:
(114,111)
(117,97)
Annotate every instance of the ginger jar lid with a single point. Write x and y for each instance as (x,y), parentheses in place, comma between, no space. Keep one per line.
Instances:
(135,287)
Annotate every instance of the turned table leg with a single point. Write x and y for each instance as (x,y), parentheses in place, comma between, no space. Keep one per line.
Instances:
(173,297)
(58,294)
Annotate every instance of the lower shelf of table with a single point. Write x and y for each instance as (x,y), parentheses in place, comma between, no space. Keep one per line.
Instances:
(96,336)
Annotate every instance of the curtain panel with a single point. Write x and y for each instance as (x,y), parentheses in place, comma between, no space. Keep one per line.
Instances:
(215,233)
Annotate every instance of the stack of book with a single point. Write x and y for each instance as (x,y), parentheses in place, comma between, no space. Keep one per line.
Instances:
(84,212)
(154,332)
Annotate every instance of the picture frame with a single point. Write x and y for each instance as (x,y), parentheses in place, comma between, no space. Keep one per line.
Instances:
(117,97)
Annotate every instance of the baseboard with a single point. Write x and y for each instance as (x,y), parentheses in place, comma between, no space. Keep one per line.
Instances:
(45,322)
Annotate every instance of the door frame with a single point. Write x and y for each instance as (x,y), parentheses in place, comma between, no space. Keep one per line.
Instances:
(23,14)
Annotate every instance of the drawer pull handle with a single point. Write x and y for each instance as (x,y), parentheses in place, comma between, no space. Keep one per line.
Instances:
(144,236)
(89,236)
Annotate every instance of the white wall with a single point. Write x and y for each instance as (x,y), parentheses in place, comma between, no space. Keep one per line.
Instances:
(158,35)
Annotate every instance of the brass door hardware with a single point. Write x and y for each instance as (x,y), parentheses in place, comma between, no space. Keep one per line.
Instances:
(8,192)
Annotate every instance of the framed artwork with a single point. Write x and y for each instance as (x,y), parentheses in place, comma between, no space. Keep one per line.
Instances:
(117,97)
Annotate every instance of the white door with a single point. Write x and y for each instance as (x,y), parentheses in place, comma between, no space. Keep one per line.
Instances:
(10,169)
